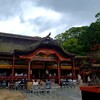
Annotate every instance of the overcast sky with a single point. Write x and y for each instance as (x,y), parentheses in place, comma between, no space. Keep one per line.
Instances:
(39,17)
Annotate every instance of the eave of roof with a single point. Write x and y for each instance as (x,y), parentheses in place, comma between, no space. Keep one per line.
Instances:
(47,44)
(82,57)
(10,35)
(96,65)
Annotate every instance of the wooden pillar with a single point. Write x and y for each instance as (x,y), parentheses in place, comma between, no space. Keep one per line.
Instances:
(59,72)
(13,64)
(73,69)
(79,70)
(46,71)
(29,70)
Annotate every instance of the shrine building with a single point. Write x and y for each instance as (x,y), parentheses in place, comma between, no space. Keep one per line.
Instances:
(25,57)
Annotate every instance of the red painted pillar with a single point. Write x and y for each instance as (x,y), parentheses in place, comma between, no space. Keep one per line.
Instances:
(12,78)
(73,70)
(79,70)
(29,66)
(59,72)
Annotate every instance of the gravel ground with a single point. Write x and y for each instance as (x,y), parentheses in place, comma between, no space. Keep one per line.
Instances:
(59,94)
(11,95)
(73,93)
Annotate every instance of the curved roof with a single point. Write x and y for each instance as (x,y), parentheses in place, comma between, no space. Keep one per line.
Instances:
(11,42)
(26,45)
(45,43)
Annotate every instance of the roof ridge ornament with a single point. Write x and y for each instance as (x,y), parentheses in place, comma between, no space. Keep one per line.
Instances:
(48,36)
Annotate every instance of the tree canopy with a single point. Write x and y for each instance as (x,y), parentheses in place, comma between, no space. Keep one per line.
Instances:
(80,40)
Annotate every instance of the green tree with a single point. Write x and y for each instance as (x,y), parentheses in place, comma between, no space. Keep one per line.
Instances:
(81,40)
(91,37)
(98,17)
(70,40)
(59,38)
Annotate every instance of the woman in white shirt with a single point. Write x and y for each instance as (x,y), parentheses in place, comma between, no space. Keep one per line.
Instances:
(35,82)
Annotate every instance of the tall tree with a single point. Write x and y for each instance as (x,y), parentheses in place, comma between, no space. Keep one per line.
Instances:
(69,40)
(81,40)
(98,17)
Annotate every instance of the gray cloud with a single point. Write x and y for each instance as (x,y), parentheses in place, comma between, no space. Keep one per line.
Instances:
(81,12)
(71,5)
(44,24)
(83,9)
(74,12)
(78,8)
(9,8)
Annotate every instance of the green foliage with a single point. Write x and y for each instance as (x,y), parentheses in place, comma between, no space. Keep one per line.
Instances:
(59,38)
(98,17)
(91,37)
(81,40)
(71,45)
(71,40)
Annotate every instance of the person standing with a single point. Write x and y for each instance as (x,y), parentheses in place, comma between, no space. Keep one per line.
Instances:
(88,80)
(79,79)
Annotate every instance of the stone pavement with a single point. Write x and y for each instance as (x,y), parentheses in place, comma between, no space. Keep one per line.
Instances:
(73,93)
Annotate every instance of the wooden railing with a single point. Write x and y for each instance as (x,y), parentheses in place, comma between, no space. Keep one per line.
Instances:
(56,77)
(25,77)
(15,78)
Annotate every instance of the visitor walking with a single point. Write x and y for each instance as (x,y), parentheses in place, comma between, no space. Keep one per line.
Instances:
(88,80)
